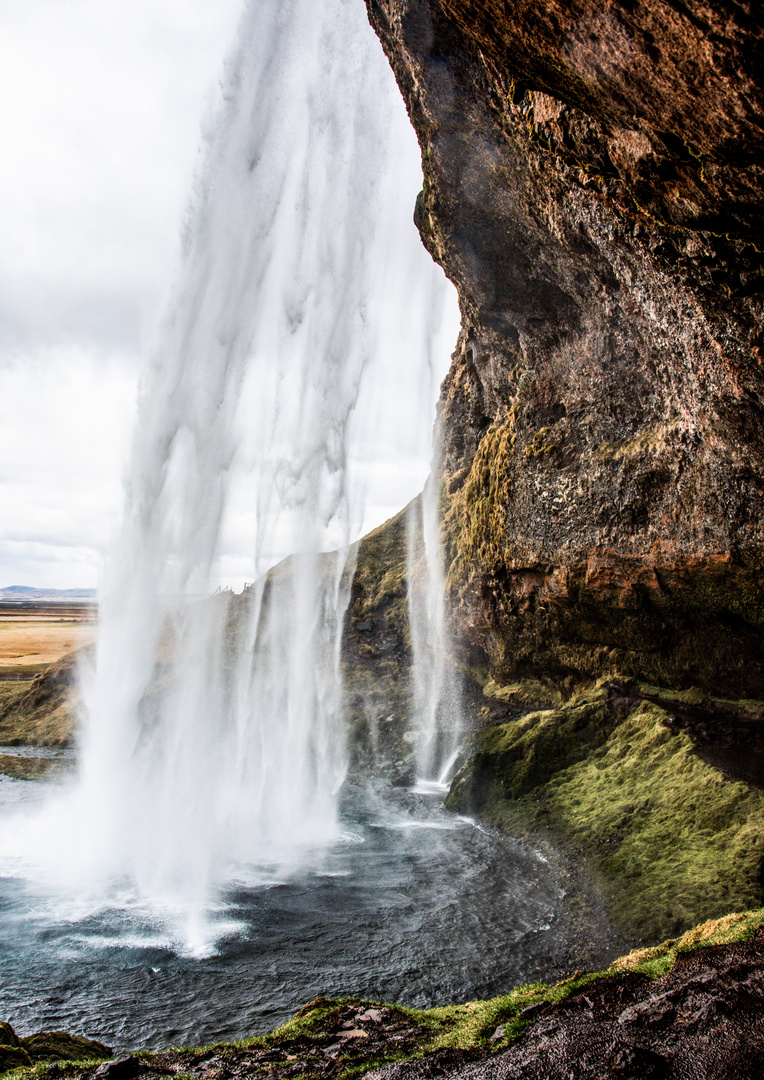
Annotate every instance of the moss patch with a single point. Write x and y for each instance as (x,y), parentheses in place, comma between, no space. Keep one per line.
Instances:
(379,584)
(376,652)
(673,840)
(477,516)
(527,692)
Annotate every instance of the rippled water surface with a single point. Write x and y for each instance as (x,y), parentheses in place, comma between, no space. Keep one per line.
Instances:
(413,905)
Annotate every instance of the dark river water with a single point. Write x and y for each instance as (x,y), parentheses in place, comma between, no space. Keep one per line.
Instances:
(413,905)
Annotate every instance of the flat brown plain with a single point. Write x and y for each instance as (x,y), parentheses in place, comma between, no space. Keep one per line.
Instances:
(39,638)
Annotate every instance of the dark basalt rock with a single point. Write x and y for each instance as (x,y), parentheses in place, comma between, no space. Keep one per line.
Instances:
(593,186)
(123,1068)
(702,1020)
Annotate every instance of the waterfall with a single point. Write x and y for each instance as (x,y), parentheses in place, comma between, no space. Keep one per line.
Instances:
(435,679)
(212,746)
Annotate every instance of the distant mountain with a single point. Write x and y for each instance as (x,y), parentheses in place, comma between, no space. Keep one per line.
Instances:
(28,592)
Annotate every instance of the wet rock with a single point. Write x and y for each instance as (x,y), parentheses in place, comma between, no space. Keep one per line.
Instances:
(370,1016)
(442,1063)
(658,1014)
(636,1061)
(123,1068)
(532,1011)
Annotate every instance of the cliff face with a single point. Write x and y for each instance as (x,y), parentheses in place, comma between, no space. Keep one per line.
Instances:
(593,186)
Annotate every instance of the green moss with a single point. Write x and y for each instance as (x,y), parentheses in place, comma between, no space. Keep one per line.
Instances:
(318,1019)
(695,696)
(659,959)
(477,515)
(540,444)
(379,584)
(673,840)
(650,439)
(691,696)
(527,692)
(50,1046)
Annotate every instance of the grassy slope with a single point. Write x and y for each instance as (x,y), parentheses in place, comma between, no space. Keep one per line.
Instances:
(673,840)
(41,713)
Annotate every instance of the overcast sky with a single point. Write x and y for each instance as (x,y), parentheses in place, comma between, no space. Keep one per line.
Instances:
(102,107)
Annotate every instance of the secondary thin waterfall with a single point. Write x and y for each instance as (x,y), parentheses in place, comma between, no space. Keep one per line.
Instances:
(212,746)
(435,679)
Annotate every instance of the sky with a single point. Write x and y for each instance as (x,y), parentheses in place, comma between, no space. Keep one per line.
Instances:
(103,103)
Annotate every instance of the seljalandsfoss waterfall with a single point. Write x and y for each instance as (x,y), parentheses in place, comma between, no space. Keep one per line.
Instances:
(217,857)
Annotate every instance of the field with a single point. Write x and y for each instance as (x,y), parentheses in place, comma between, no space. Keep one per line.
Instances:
(34,635)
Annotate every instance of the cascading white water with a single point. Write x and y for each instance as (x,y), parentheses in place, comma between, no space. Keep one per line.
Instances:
(212,747)
(435,679)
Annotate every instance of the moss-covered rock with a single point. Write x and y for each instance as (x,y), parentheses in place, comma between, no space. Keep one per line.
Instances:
(8,1036)
(60,1046)
(376,652)
(672,838)
(602,440)
(13,1057)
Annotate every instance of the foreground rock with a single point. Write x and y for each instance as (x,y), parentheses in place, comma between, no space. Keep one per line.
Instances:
(46,1046)
(705,1019)
(662,1011)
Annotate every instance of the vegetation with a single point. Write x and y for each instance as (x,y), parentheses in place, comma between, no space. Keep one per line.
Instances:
(671,838)
(41,713)
(27,768)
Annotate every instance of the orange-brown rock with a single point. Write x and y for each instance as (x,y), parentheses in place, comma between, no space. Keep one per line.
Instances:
(593,185)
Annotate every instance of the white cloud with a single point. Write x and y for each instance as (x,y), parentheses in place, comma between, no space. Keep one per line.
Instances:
(65,422)
(102,103)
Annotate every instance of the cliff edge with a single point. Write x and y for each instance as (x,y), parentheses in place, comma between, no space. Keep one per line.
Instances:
(593,186)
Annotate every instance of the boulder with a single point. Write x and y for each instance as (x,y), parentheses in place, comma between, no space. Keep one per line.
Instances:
(13,1057)
(8,1036)
(60,1046)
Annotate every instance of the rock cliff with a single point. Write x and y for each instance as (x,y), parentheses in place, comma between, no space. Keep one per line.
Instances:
(593,179)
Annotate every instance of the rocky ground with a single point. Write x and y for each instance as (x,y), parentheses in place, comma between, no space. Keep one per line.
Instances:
(702,1020)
